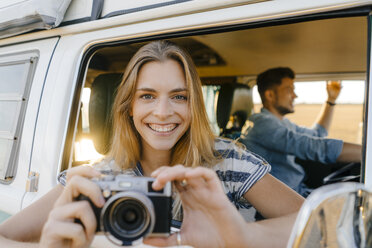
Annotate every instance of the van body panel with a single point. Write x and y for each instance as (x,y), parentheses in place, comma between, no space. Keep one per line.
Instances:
(54,114)
(13,192)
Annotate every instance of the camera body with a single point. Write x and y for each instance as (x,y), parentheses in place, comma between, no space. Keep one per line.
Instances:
(132,209)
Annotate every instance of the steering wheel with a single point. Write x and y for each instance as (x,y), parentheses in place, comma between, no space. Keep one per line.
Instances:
(337,175)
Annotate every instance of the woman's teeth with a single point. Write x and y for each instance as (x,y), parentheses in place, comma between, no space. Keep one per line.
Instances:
(162,128)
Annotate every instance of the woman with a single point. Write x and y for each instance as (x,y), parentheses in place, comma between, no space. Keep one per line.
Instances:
(159,119)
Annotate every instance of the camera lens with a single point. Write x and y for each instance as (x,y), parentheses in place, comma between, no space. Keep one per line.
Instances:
(130,216)
(127,216)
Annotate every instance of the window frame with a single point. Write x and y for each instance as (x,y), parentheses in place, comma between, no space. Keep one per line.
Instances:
(92,48)
(30,59)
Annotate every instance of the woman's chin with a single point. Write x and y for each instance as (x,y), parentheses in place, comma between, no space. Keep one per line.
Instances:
(162,146)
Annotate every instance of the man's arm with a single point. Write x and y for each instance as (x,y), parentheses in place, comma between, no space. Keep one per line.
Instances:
(325,116)
(350,153)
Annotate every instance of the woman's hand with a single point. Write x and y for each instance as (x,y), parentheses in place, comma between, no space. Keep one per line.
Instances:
(60,230)
(209,220)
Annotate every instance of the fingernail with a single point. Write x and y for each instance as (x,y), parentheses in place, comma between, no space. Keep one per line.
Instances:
(155,184)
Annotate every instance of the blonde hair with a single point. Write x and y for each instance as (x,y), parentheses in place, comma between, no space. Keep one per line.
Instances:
(196,146)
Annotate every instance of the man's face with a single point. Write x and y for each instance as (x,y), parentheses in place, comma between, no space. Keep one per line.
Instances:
(284,96)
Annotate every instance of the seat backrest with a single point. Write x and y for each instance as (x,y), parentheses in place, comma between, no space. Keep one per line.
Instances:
(103,92)
(233,98)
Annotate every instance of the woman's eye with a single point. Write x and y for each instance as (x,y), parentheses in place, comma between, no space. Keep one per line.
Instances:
(180,97)
(146,97)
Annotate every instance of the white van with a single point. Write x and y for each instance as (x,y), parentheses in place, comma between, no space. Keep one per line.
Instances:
(50,79)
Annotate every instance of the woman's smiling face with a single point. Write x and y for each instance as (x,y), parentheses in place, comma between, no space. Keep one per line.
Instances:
(160,108)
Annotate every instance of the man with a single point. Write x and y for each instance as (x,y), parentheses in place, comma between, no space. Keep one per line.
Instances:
(279,141)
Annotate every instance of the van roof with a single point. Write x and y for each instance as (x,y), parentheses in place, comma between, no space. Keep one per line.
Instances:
(74,16)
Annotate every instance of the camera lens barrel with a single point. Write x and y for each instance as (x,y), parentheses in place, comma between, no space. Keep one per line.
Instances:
(127,216)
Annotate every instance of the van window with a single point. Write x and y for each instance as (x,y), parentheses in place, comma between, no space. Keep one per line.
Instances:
(16,75)
(347,120)
(231,59)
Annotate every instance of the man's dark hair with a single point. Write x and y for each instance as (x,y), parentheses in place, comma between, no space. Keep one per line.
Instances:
(271,78)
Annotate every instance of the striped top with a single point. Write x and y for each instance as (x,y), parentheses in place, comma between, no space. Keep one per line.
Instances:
(238,171)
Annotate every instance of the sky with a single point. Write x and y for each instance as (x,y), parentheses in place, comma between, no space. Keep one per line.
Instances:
(315,92)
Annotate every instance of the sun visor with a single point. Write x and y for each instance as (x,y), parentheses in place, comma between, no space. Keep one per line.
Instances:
(20,16)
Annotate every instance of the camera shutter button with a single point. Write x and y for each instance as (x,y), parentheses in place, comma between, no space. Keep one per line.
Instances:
(106,192)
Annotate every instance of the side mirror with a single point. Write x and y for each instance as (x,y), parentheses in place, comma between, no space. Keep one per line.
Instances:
(336,215)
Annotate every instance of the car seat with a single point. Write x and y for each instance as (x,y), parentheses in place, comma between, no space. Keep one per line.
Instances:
(103,92)
(233,98)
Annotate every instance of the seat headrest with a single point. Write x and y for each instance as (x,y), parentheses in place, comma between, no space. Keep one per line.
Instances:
(232,98)
(224,102)
(103,92)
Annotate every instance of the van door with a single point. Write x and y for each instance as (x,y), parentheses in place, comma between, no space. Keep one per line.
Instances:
(23,69)
(367,129)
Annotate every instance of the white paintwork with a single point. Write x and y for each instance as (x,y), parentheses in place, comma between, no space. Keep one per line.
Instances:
(11,195)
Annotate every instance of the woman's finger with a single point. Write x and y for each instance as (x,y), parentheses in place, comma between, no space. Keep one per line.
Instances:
(81,210)
(70,232)
(159,170)
(208,176)
(80,185)
(168,174)
(84,171)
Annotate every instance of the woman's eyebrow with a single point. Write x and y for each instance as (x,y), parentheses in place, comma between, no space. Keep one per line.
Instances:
(146,89)
(178,90)
(153,90)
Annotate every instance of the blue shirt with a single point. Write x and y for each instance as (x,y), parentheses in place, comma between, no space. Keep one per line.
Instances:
(281,141)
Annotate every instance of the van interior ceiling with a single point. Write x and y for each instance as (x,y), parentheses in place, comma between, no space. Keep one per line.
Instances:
(320,47)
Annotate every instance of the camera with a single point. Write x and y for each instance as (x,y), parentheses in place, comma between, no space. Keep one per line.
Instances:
(133,209)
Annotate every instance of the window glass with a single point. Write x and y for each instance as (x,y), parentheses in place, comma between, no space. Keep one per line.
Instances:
(5,148)
(12,80)
(9,113)
(347,121)
(15,81)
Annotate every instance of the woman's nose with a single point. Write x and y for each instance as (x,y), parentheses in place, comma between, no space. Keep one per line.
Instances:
(163,108)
